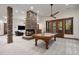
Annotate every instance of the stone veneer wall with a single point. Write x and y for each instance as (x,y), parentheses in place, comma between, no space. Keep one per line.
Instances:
(9,23)
(31,20)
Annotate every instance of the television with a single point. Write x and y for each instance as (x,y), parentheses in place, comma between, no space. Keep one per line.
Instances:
(21,27)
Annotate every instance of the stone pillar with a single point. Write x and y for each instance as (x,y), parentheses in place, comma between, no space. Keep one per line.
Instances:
(10,25)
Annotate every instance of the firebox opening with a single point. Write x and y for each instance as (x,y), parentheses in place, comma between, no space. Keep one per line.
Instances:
(30,32)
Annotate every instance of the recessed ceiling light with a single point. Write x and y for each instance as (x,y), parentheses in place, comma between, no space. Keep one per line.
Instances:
(31,7)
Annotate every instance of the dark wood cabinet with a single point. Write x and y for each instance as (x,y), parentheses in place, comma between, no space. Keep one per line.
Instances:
(64,25)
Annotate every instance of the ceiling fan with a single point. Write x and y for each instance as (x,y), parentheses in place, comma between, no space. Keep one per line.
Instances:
(53,15)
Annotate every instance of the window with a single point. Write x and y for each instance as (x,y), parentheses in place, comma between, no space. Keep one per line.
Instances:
(69,26)
(54,27)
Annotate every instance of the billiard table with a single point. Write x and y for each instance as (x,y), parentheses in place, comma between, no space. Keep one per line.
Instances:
(46,37)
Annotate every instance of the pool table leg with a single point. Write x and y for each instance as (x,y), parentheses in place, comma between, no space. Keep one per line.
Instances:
(54,38)
(47,42)
(35,42)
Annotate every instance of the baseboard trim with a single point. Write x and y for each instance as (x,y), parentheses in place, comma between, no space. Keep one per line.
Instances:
(71,38)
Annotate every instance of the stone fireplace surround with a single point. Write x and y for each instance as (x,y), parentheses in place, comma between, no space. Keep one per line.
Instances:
(30,24)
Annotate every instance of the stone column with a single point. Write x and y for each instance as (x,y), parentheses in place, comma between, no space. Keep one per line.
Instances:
(31,21)
(10,25)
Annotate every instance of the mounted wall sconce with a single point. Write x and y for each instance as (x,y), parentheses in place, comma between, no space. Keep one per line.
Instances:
(5,17)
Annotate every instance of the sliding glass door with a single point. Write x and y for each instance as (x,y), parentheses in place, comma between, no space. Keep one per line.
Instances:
(69,26)
(54,26)
(60,26)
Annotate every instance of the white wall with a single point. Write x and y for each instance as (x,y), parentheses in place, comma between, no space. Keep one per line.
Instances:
(77,22)
(17,22)
(1,27)
(65,14)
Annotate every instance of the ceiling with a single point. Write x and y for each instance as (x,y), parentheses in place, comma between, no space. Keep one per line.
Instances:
(19,10)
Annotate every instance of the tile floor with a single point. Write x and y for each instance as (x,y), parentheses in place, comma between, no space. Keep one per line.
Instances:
(27,47)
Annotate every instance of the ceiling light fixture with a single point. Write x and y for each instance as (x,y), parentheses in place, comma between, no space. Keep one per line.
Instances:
(31,7)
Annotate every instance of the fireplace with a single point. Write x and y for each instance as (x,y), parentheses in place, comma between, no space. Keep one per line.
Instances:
(29,32)
(30,24)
